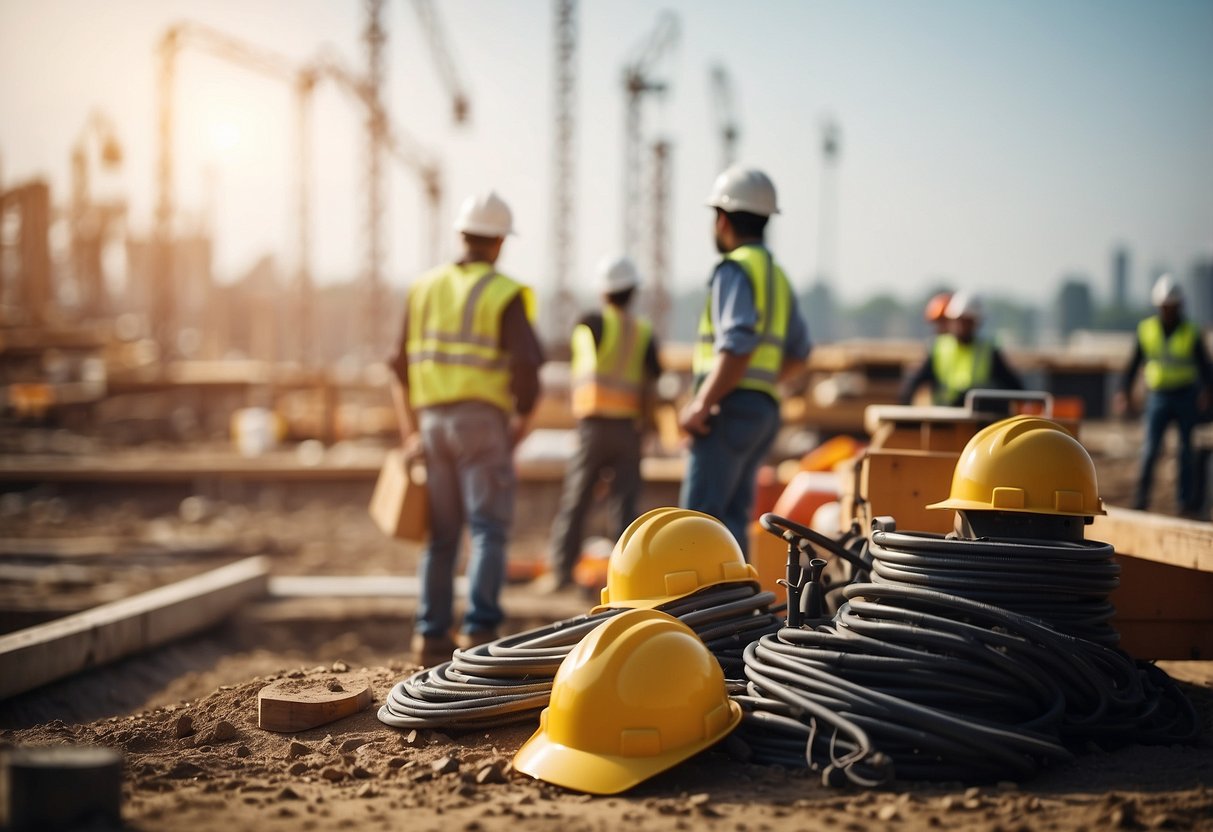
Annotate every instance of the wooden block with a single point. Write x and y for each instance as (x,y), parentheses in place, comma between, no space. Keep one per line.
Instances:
(37,655)
(299,704)
(901,483)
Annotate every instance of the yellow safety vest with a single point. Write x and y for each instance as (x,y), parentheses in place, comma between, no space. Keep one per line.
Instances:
(959,367)
(1170,361)
(454,336)
(772,302)
(608,377)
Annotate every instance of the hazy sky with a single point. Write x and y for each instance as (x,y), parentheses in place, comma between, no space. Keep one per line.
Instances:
(997,144)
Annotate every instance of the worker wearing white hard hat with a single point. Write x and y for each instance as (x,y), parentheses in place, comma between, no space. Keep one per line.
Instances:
(961,359)
(466,382)
(1179,387)
(751,336)
(614,364)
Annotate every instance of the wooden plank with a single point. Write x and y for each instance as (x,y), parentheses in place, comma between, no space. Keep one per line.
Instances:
(1183,640)
(902,483)
(1156,537)
(38,655)
(274,466)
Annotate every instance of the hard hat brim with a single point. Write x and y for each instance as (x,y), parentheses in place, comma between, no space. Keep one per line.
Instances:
(975,505)
(715,203)
(657,603)
(572,768)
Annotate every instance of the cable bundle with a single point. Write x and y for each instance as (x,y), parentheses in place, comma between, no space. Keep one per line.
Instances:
(918,684)
(1065,584)
(510,679)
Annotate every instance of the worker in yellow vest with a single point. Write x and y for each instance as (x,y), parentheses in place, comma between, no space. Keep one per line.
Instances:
(1179,381)
(614,362)
(466,381)
(961,360)
(751,336)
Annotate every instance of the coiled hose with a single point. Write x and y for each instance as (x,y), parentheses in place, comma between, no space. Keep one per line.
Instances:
(1065,584)
(510,679)
(919,684)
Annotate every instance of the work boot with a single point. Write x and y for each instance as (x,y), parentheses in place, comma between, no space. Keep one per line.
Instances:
(432,650)
(475,638)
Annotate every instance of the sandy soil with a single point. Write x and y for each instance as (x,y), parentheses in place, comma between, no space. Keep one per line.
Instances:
(186,716)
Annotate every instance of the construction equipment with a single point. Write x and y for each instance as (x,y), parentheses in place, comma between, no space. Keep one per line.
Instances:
(91,221)
(727,126)
(638,83)
(382,135)
(564,168)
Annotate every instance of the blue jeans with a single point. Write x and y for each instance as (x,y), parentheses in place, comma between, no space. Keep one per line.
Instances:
(470,475)
(1162,408)
(720,473)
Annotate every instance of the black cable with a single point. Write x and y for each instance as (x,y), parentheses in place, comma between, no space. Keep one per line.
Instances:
(946,688)
(510,679)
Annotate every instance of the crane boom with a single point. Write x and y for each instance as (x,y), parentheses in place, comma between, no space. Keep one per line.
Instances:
(440,50)
(636,84)
(726,117)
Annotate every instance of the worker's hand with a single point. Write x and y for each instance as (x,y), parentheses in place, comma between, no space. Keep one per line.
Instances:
(412,447)
(1120,403)
(695,417)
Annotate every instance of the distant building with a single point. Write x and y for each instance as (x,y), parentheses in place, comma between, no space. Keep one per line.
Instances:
(1200,302)
(1120,277)
(1075,306)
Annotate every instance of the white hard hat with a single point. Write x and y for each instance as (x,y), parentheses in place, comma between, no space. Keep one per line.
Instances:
(616,274)
(744,189)
(485,215)
(1166,292)
(963,305)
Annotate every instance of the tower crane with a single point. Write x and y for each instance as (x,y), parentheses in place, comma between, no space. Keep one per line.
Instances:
(563,163)
(726,118)
(444,62)
(637,83)
(206,39)
(90,220)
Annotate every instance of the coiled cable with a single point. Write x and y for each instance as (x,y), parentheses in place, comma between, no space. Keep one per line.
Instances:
(919,684)
(1063,583)
(510,679)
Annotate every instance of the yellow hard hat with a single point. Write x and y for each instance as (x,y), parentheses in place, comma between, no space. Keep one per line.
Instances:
(636,696)
(669,553)
(1026,464)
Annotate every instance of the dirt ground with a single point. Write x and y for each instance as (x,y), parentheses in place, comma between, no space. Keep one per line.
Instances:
(185,715)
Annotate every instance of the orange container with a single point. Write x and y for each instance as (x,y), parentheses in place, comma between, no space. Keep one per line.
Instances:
(808,491)
(829,453)
(767,489)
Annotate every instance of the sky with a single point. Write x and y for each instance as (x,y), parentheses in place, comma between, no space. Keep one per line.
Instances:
(995,145)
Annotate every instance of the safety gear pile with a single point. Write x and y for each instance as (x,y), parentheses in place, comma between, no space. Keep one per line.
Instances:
(957,659)
(684,563)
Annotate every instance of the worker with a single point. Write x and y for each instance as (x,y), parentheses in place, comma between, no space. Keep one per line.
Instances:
(751,336)
(961,360)
(614,362)
(1179,381)
(466,381)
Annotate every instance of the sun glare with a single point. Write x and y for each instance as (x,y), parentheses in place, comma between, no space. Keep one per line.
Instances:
(224,135)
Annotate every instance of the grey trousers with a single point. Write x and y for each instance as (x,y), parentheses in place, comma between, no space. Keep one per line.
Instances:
(604,445)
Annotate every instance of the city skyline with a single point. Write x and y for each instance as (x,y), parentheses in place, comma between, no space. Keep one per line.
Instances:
(997,146)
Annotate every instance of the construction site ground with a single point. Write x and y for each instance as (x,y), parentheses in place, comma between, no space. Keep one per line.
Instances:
(185,715)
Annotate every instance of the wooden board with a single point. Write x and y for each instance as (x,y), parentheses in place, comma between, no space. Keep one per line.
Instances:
(1156,537)
(38,655)
(299,704)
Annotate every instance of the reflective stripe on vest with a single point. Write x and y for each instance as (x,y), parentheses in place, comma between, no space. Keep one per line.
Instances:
(1170,361)
(608,377)
(772,303)
(454,336)
(959,367)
